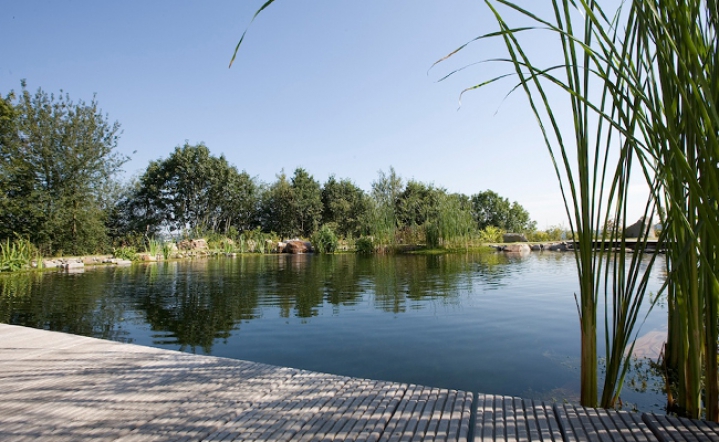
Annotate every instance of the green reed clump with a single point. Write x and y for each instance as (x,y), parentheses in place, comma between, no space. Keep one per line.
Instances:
(365,245)
(593,158)
(125,252)
(324,240)
(15,255)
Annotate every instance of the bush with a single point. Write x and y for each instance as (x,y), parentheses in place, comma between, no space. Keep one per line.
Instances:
(324,240)
(491,234)
(15,255)
(432,235)
(364,245)
(126,253)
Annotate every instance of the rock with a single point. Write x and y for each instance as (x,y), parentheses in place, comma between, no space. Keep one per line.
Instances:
(123,262)
(637,229)
(560,247)
(146,257)
(50,263)
(536,247)
(195,244)
(297,246)
(513,237)
(517,248)
(280,247)
(199,244)
(70,265)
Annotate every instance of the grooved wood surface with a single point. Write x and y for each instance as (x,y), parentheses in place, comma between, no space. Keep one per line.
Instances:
(60,387)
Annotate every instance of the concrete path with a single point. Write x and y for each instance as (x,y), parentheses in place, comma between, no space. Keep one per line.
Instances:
(60,387)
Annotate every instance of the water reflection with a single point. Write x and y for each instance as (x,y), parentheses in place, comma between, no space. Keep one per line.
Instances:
(192,304)
(493,322)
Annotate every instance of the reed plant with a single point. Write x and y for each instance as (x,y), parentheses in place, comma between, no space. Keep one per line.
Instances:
(593,159)
(643,84)
(167,249)
(16,254)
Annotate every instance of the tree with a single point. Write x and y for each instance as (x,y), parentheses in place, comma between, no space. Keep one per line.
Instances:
(190,189)
(417,204)
(58,169)
(307,202)
(277,208)
(491,209)
(344,205)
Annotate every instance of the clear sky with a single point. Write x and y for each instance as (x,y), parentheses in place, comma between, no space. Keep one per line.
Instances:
(336,87)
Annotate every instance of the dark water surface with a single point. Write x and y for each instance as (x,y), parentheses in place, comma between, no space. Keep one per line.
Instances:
(480,322)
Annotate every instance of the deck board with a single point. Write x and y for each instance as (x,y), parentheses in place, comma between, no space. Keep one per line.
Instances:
(61,387)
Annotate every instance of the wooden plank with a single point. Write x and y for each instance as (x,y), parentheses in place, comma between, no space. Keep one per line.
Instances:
(591,424)
(506,418)
(674,429)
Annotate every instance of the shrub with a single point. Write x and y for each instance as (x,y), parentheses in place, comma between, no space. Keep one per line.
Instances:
(324,240)
(15,255)
(127,253)
(364,245)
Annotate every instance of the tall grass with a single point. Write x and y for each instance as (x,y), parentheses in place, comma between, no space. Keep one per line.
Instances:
(678,50)
(655,67)
(15,255)
(593,159)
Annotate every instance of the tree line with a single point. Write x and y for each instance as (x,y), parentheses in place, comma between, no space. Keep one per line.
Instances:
(60,189)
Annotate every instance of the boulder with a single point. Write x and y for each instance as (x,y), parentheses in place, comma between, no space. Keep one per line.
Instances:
(638,228)
(199,244)
(513,237)
(559,247)
(517,248)
(195,244)
(73,264)
(146,257)
(50,263)
(280,247)
(536,247)
(297,246)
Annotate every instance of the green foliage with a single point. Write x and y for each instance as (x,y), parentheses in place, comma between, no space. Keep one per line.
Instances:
(153,247)
(167,249)
(324,240)
(190,189)
(277,206)
(307,202)
(490,209)
(57,171)
(126,253)
(15,255)
(365,245)
(344,205)
(491,234)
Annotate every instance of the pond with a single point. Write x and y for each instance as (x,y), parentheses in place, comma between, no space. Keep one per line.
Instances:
(485,322)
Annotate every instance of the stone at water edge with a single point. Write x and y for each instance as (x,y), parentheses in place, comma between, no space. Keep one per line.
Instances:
(297,246)
(517,248)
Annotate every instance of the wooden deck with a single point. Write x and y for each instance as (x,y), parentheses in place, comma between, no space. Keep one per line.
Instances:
(59,387)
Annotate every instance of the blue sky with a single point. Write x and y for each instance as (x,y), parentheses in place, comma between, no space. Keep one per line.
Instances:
(335,87)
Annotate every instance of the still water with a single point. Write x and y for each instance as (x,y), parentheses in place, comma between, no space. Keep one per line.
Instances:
(486,323)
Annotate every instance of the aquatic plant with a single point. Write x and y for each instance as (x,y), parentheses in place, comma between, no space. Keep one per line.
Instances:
(364,245)
(593,160)
(15,255)
(167,249)
(324,240)
(126,253)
